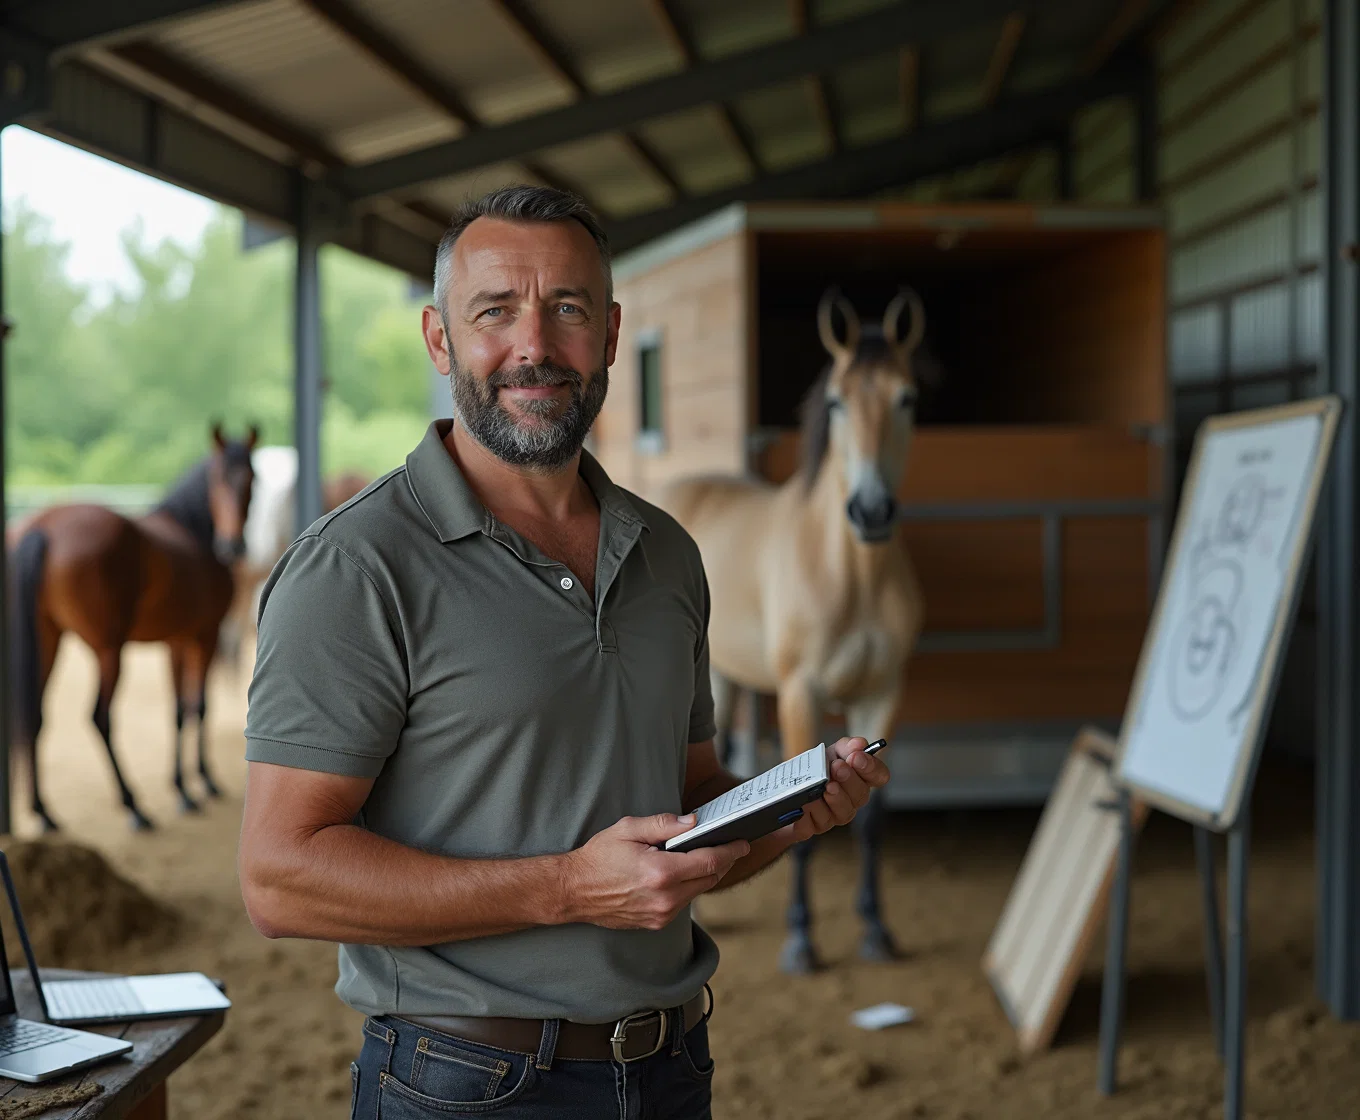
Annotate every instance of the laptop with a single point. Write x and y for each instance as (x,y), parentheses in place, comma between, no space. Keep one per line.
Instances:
(32,1051)
(116,998)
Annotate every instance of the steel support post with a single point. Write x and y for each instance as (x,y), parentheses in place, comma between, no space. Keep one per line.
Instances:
(1338,748)
(24,88)
(307,358)
(1147,134)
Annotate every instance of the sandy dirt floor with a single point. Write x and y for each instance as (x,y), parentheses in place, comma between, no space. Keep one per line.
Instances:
(784,1046)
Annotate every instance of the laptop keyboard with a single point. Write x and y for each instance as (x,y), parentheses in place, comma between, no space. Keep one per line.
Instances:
(91,999)
(24,1034)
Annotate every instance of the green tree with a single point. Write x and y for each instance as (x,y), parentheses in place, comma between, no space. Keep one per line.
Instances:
(127,393)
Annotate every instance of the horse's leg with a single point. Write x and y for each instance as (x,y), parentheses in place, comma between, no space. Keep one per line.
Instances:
(49,640)
(873,720)
(109,669)
(724,701)
(798,720)
(200,657)
(177,663)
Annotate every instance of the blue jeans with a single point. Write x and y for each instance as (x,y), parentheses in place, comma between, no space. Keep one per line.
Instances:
(409,1072)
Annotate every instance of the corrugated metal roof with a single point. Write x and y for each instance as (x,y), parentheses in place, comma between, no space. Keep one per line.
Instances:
(300,70)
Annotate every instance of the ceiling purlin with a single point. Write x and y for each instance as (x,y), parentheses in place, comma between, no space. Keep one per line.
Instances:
(833,45)
(816,84)
(1015,122)
(398,61)
(737,133)
(156,62)
(555,58)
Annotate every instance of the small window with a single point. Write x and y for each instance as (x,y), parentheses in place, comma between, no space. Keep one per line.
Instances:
(650,428)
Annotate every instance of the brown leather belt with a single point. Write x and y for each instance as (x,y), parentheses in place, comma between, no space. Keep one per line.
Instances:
(630,1039)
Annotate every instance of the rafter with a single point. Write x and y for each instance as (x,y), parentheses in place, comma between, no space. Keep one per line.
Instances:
(554,58)
(64,24)
(397,61)
(1014,123)
(737,133)
(1003,55)
(909,85)
(1131,14)
(156,62)
(816,84)
(721,80)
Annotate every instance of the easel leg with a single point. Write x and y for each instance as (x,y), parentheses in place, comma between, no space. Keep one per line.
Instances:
(1235,1017)
(1112,993)
(1213,937)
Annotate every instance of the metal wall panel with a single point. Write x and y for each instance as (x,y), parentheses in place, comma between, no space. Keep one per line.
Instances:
(1195,338)
(1246,251)
(1238,95)
(1258,339)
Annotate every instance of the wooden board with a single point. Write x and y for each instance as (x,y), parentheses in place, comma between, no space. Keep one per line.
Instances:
(1207,674)
(1059,898)
(131,1082)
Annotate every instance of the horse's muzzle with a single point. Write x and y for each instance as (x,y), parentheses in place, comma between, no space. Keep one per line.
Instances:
(873,520)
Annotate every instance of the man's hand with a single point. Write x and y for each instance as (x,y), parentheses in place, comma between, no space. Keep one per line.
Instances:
(620,880)
(854,775)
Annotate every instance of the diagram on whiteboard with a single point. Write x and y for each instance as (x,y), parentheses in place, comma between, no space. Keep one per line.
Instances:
(1207,640)
(1206,658)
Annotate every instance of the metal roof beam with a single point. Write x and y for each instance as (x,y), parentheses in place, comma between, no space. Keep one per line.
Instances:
(932,149)
(722,80)
(63,24)
(737,134)
(106,117)
(555,58)
(364,34)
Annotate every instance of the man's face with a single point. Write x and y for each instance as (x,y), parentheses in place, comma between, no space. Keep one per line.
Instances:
(526,339)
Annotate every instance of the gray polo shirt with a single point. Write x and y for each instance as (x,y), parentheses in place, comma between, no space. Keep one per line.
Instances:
(412,638)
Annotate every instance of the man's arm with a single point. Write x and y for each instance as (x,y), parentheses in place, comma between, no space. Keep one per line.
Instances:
(306,871)
(853,775)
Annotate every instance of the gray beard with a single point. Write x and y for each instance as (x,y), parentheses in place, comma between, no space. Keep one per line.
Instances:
(557,433)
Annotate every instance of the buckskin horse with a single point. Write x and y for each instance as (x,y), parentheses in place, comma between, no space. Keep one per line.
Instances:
(165,576)
(813,595)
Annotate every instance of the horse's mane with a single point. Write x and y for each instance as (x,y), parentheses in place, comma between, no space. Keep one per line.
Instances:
(816,416)
(187,500)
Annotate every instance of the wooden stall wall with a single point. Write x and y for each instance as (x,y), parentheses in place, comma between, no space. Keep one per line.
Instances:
(697,306)
(988,575)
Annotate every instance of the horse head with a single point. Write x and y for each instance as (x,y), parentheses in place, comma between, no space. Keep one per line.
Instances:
(864,410)
(230,480)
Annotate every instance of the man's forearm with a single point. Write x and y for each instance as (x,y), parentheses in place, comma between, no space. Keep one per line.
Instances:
(343,883)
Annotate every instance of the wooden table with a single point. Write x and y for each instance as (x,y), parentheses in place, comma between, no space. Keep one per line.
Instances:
(134,1083)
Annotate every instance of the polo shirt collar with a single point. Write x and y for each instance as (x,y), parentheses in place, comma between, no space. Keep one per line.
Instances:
(455,511)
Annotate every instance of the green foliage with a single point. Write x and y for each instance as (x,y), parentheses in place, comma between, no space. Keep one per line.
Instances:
(127,393)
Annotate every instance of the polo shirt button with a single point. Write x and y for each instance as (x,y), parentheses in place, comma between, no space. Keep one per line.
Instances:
(566,583)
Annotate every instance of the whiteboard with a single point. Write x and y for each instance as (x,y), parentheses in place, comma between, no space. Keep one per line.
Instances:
(1206,677)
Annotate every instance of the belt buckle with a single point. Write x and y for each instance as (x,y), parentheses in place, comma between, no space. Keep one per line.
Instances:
(620,1035)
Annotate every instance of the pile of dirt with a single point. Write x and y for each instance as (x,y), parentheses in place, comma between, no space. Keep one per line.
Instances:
(80,913)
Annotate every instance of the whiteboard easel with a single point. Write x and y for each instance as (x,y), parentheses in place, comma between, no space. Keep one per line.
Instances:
(1191,738)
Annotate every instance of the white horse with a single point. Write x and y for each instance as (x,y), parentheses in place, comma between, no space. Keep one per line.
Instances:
(269,530)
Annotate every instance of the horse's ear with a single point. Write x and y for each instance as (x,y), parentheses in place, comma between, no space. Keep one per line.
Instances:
(906,297)
(832,299)
(218,441)
(253,437)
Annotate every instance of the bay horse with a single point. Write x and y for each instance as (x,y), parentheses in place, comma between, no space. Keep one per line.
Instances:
(165,576)
(813,595)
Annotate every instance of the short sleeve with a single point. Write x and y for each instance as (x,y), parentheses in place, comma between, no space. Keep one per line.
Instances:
(701,725)
(329,689)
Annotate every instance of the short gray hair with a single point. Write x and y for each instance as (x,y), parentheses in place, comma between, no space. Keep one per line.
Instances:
(518,204)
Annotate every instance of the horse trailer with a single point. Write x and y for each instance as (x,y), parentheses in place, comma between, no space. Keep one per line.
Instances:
(1037,491)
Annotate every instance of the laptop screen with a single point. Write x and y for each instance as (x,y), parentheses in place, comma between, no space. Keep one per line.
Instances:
(6,991)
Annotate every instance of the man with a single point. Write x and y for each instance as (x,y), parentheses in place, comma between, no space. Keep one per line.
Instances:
(480,701)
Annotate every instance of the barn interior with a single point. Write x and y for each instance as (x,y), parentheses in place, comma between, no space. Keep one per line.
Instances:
(1206,156)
